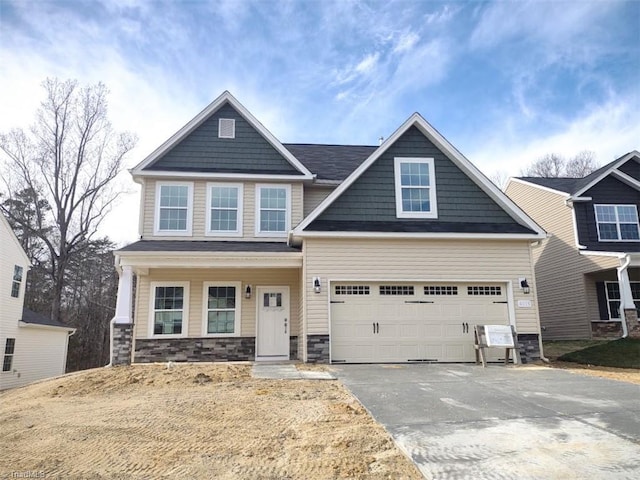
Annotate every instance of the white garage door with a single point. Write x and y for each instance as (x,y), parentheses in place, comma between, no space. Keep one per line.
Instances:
(419,322)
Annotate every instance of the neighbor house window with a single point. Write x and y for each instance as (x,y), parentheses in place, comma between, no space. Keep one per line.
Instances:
(169,308)
(9,349)
(273,210)
(415,188)
(222,308)
(174,208)
(617,223)
(224,214)
(612,290)
(17,281)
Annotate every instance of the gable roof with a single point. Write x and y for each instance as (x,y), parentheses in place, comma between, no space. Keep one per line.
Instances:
(575,187)
(200,118)
(416,120)
(331,162)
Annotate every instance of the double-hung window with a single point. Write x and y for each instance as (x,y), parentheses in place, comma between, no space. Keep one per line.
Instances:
(415,188)
(9,349)
(273,210)
(169,308)
(224,212)
(17,281)
(612,290)
(617,223)
(174,208)
(222,309)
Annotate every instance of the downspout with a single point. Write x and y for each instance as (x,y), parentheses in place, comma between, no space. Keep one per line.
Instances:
(544,359)
(620,269)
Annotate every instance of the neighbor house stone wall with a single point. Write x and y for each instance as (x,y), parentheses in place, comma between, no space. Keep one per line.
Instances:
(529,347)
(219,349)
(606,329)
(122,343)
(317,348)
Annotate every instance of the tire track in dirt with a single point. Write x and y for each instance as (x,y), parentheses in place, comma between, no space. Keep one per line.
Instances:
(145,422)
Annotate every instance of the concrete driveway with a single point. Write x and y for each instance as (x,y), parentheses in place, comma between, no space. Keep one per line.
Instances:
(466,422)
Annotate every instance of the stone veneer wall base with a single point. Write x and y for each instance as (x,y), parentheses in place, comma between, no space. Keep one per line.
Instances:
(207,349)
(633,327)
(122,343)
(529,347)
(317,348)
(606,330)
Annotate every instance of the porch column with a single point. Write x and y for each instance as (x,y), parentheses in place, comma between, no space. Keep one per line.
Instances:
(628,312)
(121,325)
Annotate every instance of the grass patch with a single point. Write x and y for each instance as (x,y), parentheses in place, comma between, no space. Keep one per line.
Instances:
(556,348)
(622,353)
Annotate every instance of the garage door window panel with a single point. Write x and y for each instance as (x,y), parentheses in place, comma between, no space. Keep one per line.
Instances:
(397,290)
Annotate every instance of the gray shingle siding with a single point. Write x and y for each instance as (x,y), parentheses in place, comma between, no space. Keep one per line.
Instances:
(203,151)
(372,196)
(608,191)
(631,168)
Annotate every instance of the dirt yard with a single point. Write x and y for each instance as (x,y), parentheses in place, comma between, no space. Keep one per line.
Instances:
(191,421)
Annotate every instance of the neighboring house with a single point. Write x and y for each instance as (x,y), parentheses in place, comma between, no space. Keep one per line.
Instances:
(587,271)
(254,250)
(32,346)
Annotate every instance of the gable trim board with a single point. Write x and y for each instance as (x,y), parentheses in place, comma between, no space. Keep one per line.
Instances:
(201,117)
(541,187)
(16,242)
(452,154)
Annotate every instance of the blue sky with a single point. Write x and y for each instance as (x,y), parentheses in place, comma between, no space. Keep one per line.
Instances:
(505,82)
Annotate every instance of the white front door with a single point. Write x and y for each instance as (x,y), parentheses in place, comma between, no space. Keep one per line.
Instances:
(274,324)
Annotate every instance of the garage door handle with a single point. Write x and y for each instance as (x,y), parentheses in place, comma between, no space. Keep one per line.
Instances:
(376,327)
(416,301)
(465,327)
(500,302)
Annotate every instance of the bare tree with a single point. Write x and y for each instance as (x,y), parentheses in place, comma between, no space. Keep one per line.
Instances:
(69,158)
(553,165)
(499,178)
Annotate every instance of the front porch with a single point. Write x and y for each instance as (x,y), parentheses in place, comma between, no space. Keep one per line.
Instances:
(211,306)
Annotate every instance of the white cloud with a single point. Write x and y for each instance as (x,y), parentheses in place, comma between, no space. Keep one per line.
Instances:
(368,64)
(610,130)
(405,42)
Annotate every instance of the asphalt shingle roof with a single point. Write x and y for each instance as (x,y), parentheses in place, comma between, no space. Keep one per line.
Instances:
(29,316)
(330,162)
(567,185)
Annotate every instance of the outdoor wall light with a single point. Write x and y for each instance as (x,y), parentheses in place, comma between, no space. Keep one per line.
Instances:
(316,284)
(247,292)
(524,285)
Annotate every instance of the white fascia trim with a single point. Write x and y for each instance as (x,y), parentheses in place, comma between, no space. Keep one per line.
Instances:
(45,327)
(220,176)
(603,254)
(206,113)
(541,187)
(207,260)
(327,183)
(450,151)
(579,199)
(629,180)
(455,236)
(614,165)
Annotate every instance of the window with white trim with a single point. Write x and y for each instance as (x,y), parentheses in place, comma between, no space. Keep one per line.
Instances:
(169,308)
(415,188)
(9,349)
(273,210)
(612,291)
(617,223)
(224,212)
(174,209)
(17,281)
(222,308)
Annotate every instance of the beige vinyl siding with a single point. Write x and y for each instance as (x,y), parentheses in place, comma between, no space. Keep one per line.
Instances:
(39,353)
(196,278)
(566,306)
(313,196)
(200,211)
(415,260)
